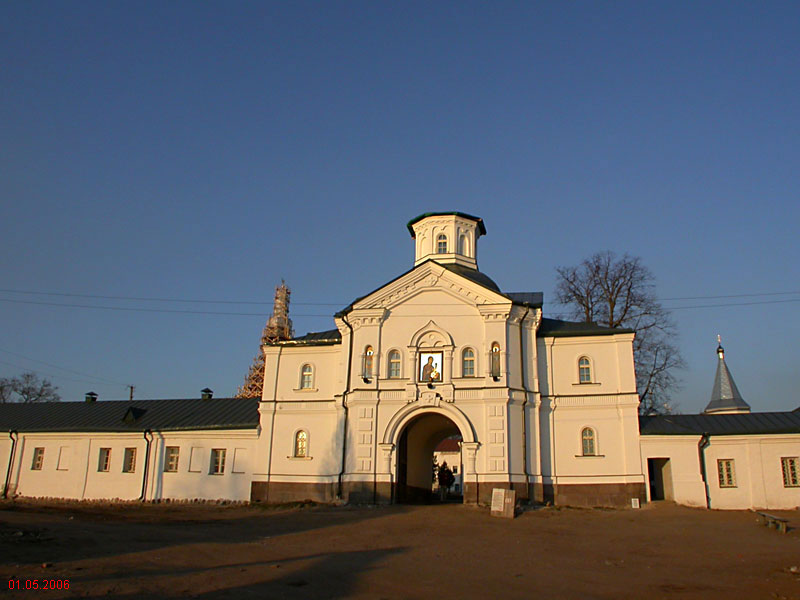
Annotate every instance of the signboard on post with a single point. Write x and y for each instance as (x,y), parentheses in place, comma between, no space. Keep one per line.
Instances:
(503,503)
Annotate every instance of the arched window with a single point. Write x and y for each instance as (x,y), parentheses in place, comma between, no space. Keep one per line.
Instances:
(441,244)
(462,244)
(306,377)
(584,370)
(368,354)
(301,444)
(588,442)
(495,360)
(468,363)
(394,364)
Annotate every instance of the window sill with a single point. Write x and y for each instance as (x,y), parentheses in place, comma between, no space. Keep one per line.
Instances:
(590,456)
(588,383)
(305,390)
(217,474)
(300,457)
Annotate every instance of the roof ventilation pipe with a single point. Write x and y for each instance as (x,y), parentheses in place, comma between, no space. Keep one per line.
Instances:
(206,394)
(91,397)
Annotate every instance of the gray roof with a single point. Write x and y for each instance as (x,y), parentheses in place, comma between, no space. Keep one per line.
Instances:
(314,338)
(731,424)
(131,416)
(725,395)
(559,328)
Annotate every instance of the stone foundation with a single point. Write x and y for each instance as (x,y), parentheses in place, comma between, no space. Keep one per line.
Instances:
(367,492)
(279,492)
(615,495)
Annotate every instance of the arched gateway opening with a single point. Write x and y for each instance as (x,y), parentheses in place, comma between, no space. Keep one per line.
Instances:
(422,439)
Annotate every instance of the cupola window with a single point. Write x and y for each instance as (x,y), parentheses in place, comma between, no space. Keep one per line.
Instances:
(441,244)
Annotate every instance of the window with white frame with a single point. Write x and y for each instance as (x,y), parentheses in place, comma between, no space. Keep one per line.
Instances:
(441,244)
(726,472)
(791,472)
(171,458)
(394,364)
(366,370)
(38,459)
(306,377)
(217,461)
(104,460)
(584,370)
(129,461)
(301,444)
(468,363)
(588,442)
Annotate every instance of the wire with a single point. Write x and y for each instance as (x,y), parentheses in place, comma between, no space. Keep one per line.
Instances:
(53,375)
(74,372)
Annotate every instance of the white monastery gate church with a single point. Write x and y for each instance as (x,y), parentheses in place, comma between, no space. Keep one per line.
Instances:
(545,407)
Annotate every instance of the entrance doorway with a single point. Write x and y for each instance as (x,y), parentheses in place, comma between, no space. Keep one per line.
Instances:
(415,454)
(659,473)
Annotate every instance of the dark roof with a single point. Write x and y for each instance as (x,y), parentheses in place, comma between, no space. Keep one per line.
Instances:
(448,445)
(314,338)
(472,274)
(733,424)
(478,220)
(136,415)
(535,299)
(559,328)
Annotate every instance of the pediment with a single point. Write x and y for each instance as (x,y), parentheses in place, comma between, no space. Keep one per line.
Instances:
(428,277)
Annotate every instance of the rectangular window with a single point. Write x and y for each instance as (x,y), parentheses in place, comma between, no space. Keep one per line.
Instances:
(726,472)
(171,459)
(791,472)
(217,461)
(129,464)
(104,462)
(38,459)
(394,368)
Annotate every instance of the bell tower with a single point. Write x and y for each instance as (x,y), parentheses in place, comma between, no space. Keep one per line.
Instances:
(447,238)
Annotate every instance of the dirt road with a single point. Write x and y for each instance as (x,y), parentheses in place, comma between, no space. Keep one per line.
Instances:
(446,551)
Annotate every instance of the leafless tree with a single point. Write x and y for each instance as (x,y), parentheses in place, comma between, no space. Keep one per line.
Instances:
(28,388)
(620,292)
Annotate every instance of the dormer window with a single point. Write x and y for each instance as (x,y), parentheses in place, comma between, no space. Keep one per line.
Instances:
(441,244)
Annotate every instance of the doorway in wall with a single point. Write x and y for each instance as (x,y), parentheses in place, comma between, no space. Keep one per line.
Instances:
(659,472)
(416,450)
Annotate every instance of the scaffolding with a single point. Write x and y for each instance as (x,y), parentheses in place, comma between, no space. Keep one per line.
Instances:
(278,328)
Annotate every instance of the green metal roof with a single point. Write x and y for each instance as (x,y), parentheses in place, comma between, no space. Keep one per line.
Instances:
(559,328)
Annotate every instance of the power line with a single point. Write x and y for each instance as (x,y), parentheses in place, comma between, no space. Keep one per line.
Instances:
(74,372)
(53,375)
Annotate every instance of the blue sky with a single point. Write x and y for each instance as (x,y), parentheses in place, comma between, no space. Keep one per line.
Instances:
(204,151)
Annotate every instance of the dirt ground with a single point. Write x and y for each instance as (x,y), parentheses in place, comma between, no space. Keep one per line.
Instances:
(209,551)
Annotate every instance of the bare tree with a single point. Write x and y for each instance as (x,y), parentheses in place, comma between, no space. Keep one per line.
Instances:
(27,388)
(620,292)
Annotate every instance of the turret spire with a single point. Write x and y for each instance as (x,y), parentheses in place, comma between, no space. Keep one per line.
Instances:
(725,397)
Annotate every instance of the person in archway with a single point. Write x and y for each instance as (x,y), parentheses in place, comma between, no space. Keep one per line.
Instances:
(446,479)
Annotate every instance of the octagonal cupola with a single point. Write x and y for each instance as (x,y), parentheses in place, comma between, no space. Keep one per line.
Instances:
(447,237)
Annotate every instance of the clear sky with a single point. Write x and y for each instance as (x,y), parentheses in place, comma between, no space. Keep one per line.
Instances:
(204,151)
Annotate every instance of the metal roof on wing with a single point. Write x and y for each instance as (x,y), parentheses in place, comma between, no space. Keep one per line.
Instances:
(131,416)
(730,424)
(559,328)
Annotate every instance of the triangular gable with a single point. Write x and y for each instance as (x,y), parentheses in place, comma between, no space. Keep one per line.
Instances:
(425,277)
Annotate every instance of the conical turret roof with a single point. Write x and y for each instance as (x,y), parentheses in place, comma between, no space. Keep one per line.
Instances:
(725,397)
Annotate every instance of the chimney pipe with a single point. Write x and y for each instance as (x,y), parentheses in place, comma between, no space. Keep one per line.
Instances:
(206,394)
(91,397)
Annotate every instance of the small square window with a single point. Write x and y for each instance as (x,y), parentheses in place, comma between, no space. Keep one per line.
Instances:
(726,472)
(129,463)
(38,459)
(171,459)
(217,461)
(104,461)
(791,472)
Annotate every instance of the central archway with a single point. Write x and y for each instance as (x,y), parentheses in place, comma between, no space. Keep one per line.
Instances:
(415,452)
